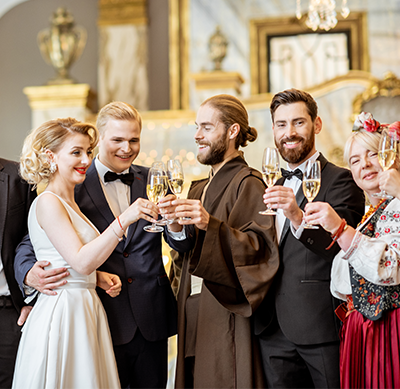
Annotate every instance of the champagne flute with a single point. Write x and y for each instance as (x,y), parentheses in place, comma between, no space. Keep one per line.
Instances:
(175,176)
(156,189)
(311,184)
(387,153)
(175,179)
(271,171)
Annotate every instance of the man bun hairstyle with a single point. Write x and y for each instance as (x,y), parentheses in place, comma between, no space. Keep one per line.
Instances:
(35,163)
(232,111)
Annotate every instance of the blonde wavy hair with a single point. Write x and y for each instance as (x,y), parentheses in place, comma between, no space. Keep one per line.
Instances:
(35,163)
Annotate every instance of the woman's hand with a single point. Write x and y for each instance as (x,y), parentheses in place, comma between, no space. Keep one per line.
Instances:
(111,283)
(389,181)
(322,214)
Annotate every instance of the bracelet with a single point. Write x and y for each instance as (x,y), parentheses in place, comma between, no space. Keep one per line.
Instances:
(336,235)
(119,222)
(119,239)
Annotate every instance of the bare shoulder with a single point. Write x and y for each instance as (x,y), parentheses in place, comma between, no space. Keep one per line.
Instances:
(49,206)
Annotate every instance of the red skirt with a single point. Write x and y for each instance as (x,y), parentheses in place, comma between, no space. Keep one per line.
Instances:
(370,351)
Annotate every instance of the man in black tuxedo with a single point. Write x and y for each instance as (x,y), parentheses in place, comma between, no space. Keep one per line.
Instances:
(143,316)
(15,199)
(296,325)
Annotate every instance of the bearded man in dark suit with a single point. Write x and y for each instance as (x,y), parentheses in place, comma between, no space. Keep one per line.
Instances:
(15,199)
(296,325)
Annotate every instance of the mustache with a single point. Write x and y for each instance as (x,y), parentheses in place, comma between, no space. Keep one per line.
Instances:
(291,139)
(199,143)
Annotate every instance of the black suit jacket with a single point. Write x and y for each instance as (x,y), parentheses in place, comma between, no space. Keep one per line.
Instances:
(15,199)
(146,300)
(300,299)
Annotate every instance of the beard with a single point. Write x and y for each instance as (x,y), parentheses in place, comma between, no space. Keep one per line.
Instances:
(299,154)
(216,152)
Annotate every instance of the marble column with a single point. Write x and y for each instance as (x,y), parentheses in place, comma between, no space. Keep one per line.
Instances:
(123,52)
(60,101)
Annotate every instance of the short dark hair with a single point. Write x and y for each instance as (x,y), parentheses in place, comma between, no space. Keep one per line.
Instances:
(291,96)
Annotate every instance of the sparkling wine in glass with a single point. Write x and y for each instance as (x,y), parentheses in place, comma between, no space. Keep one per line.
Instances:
(175,178)
(387,153)
(156,189)
(270,171)
(311,184)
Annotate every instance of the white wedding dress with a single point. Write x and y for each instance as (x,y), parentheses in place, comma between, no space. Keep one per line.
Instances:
(66,341)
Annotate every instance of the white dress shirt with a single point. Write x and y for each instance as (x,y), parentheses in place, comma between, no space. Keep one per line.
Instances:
(4,289)
(294,183)
(118,196)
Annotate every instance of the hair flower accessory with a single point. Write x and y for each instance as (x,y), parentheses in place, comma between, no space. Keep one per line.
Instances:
(366,121)
(395,127)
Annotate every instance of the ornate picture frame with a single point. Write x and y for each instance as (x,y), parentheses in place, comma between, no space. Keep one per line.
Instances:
(263,30)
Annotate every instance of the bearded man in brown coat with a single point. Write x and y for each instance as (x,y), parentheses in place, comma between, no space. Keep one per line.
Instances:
(224,278)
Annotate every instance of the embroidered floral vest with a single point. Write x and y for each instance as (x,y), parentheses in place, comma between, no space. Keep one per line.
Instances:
(369,299)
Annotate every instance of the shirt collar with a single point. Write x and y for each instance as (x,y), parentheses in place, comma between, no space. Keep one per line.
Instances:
(103,169)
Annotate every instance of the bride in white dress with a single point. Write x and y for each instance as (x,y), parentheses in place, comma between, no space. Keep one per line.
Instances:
(66,341)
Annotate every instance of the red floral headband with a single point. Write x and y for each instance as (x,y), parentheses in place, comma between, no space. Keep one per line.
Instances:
(365,121)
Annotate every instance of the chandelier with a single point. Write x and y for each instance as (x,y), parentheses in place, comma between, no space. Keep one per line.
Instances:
(322,13)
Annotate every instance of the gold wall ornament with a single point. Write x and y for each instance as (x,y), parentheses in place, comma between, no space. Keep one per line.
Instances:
(179,39)
(115,12)
(217,45)
(381,97)
(62,44)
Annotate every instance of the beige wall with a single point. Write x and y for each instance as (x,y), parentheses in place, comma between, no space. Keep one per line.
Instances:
(22,65)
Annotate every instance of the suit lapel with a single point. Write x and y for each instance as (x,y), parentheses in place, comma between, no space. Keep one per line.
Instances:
(138,189)
(3,202)
(95,191)
(300,198)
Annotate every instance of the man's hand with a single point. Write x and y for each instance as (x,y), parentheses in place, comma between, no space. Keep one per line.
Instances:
(168,210)
(46,280)
(194,210)
(25,311)
(111,283)
(280,197)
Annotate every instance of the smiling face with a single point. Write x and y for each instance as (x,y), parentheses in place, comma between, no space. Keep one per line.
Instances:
(294,132)
(73,159)
(119,144)
(211,137)
(365,168)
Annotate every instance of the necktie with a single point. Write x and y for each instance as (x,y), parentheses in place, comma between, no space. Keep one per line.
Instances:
(127,178)
(289,174)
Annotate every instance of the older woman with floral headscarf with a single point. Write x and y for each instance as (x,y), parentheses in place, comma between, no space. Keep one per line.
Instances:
(365,274)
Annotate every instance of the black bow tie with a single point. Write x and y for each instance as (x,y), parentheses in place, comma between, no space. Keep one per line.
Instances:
(289,174)
(127,178)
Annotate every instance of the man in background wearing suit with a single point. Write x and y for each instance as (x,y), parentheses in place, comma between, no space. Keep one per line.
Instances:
(15,199)
(143,316)
(296,324)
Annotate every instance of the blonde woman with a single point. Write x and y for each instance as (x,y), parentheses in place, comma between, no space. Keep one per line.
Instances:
(365,274)
(66,341)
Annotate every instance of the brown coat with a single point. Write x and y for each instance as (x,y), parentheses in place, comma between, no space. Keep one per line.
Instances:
(237,258)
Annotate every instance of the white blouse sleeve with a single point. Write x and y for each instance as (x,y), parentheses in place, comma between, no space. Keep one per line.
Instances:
(376,259)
